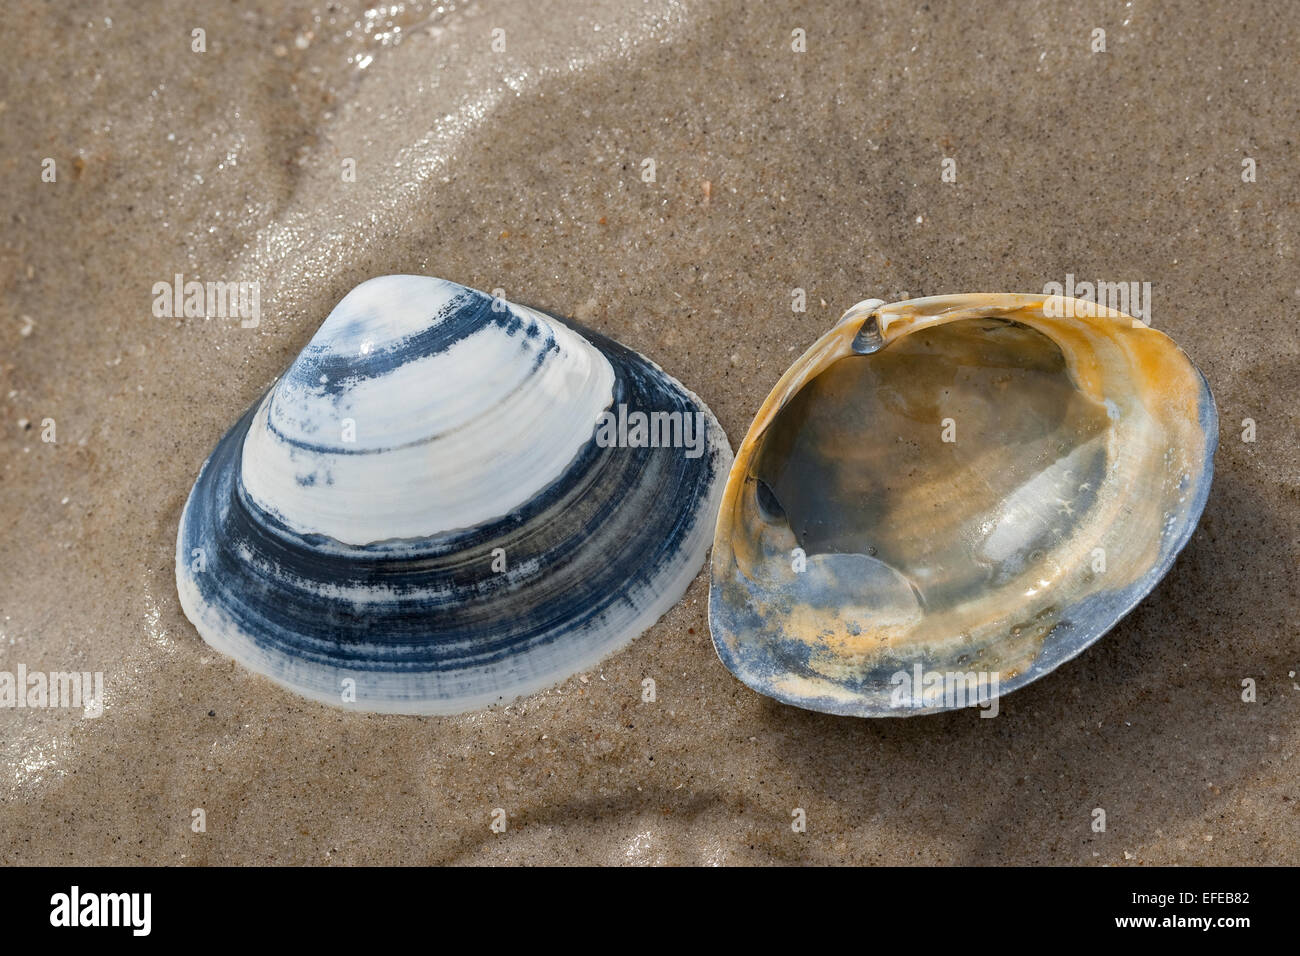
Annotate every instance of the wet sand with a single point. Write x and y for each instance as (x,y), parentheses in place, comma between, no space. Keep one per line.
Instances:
(522,170)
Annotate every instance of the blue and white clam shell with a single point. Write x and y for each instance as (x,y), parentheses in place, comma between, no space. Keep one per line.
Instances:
(441,506)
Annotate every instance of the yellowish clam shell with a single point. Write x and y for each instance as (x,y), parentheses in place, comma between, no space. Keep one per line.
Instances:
(955,492)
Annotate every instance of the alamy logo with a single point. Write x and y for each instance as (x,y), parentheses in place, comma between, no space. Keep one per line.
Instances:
(39,690)
(653,430)
(922,688)
(103,909)
(208,300)
(1131,298)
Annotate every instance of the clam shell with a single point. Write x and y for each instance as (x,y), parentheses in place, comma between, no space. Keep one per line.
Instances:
(423,515)
(946,498)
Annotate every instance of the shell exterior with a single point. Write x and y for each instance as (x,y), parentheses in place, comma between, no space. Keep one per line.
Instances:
(423,515)
(946,498)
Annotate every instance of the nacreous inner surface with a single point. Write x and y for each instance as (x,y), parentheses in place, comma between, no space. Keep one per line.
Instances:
(956,458)
(954,491)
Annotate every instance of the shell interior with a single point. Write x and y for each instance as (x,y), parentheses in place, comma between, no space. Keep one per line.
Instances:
(965,489)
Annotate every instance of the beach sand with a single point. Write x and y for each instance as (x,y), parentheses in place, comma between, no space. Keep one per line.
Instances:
(522,170)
